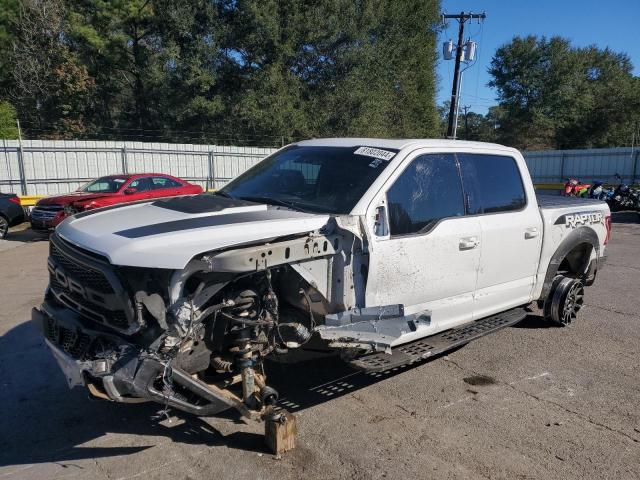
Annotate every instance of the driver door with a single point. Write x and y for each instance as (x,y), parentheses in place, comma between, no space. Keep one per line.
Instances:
(427,255)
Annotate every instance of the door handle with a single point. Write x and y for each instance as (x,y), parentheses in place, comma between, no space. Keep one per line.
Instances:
(467,243)
(531,233)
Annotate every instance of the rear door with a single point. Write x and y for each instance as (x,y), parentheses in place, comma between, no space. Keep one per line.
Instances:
(426,257)
(166,187)
(143,187)
(511,230)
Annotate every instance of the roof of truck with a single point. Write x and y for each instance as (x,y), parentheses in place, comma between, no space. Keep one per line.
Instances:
(396,143)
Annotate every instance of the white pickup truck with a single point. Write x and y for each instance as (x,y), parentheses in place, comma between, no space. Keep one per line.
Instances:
(385,251)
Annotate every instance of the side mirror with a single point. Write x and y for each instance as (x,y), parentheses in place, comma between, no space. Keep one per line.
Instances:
(130,191)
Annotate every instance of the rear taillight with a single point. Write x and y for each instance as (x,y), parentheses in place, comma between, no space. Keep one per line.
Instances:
(607,224)
(15,200)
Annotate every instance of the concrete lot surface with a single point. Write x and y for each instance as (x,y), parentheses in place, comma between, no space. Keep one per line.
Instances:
(531,401)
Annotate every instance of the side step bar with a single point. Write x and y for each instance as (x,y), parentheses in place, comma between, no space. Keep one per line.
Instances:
(441,342)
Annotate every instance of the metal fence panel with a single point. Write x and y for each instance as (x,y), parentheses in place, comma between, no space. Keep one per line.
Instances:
(554,166)
(9,169)
(57,166)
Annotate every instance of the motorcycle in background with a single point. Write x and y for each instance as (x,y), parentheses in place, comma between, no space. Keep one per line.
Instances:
(623,197)
(597,189)
(575,188)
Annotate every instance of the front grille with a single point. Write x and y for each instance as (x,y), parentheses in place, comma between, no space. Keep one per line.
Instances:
(88,277)
(89,287)
(95,312)
(74,342)
(45,213)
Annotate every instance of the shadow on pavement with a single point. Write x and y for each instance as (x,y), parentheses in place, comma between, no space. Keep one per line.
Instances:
(44,421)
(307,384)
(534,321)
(23,233)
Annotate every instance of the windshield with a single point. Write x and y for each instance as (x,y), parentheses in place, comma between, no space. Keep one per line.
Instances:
(104,185)
(316,179)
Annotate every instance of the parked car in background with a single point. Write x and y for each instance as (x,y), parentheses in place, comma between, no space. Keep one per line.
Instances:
(11,212)
(106,191)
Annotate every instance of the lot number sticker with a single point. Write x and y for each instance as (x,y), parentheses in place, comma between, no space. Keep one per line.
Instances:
(375,153)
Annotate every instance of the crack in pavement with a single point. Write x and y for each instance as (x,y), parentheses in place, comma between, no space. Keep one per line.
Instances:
(550,402)
(101,469)
(609,309)
(623,266)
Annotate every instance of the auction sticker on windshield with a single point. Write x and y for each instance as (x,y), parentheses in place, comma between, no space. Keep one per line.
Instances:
(375,153)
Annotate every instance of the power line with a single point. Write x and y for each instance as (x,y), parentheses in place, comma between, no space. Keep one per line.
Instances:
(479,56)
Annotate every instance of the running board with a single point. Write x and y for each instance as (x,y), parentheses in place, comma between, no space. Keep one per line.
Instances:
(441,342)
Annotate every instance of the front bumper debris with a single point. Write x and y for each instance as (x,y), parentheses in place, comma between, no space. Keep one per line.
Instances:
(128,376)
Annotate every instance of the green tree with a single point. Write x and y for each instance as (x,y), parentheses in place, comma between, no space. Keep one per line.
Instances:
(553,95)
(52,89)
(118,42)
(9,11)
(303,68)
(8,126)
(189,72)
(476,127)
(231,70)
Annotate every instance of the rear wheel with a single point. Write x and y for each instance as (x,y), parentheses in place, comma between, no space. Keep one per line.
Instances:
(4,227)
(565,301)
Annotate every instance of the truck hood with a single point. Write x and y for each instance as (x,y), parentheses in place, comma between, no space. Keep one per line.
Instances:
(168,233)
(72,197)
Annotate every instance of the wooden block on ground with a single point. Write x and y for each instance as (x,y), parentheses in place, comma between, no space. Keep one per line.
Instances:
(280,432)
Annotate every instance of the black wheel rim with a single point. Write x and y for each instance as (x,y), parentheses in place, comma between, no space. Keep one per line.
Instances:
(4,226)
(573,303)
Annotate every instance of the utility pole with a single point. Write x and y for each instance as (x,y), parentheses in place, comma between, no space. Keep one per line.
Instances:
(455,89)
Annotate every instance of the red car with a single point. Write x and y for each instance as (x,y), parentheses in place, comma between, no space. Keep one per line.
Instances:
(105,191)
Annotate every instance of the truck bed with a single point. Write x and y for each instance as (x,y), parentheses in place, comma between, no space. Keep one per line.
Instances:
(558,201)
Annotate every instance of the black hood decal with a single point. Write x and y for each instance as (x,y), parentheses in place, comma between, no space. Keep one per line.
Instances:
(203,203)
(211,221)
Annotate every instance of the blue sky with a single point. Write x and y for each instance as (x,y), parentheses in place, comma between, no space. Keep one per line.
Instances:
(613,24)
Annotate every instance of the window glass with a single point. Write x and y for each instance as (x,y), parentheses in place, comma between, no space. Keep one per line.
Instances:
(313,178)
(428,190)
(492,183)
(164,182)
(142,184)
(104,185)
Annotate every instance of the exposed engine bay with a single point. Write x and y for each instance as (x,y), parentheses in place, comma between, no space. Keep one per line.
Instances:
(196,339)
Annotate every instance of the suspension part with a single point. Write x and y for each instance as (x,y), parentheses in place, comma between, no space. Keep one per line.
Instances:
(221,365)
(244,362)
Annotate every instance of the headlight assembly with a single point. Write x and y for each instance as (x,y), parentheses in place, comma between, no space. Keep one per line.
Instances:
(70,210)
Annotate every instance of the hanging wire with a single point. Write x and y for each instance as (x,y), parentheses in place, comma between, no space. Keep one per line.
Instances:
(479,56)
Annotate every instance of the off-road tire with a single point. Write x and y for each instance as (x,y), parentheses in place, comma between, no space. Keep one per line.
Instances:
(565,300)
(4,227)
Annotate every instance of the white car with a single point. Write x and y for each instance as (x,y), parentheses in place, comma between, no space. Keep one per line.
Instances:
(386,251)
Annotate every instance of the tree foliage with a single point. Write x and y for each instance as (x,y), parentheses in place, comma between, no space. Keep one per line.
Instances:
(553,95)
(8,125)
(235,70)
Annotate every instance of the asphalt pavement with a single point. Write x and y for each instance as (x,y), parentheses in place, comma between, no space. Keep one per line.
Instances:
(531,401)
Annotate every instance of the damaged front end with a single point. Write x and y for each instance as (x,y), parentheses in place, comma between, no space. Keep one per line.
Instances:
(196,339)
